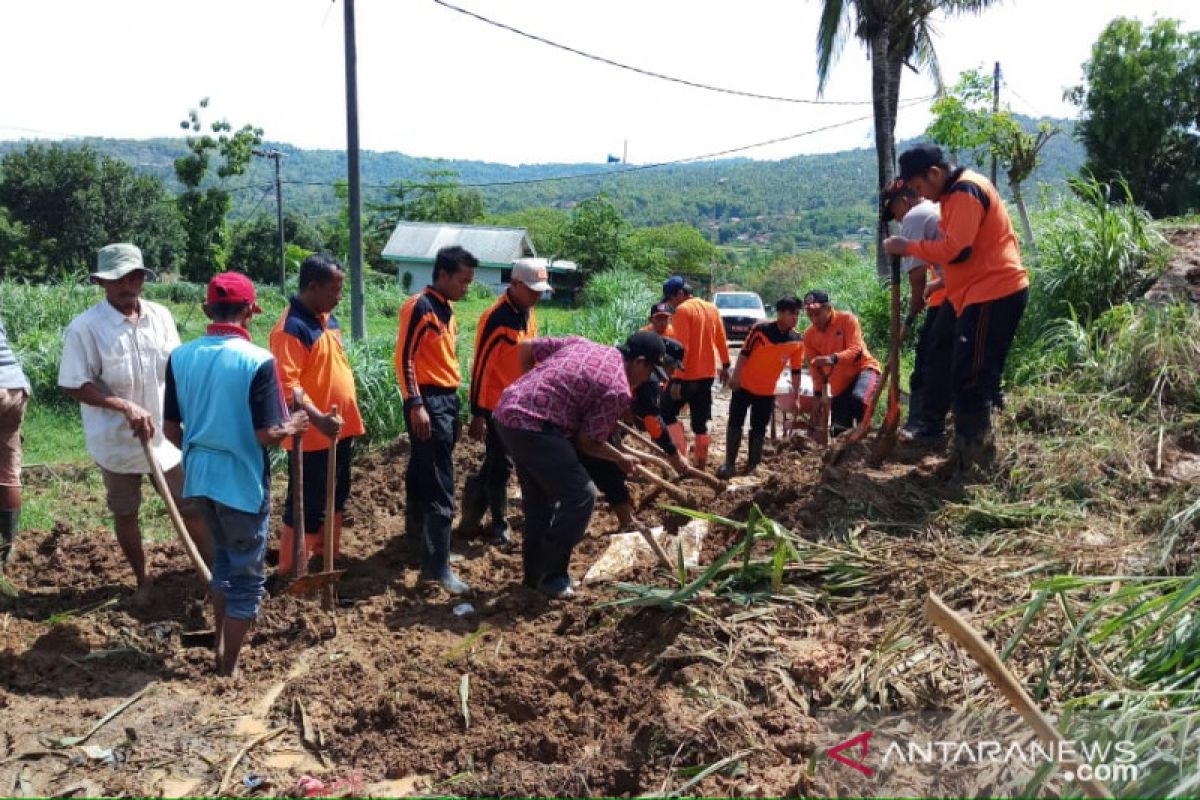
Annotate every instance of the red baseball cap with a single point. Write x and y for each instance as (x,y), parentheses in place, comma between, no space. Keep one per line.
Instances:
(232,287)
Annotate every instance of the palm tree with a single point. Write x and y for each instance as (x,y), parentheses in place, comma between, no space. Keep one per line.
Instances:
(896,33)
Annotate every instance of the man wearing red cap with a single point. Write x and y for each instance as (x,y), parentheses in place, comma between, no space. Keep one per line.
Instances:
(114,362)
(223,408)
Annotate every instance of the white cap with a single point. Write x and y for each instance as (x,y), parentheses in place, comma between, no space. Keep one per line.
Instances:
(531,272)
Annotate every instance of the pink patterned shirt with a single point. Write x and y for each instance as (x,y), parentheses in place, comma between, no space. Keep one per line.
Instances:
(578,386)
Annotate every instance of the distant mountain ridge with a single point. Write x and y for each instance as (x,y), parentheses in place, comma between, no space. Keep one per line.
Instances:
(808,200)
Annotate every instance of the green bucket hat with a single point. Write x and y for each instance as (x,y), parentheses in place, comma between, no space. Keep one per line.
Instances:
(115,261)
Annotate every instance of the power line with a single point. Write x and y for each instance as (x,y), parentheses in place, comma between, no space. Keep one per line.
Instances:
(627,170)
(1017,95)
(650,73)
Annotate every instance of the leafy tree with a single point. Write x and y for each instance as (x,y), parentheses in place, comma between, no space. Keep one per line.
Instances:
(896,33)
(547,228)
(63,204)
(203,210)
(438,198)
(668,250)
(1140,103)
(964,121)
(254,244)
(596,235)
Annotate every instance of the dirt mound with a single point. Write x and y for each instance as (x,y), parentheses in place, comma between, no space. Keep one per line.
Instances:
(519,695)
(1181,279)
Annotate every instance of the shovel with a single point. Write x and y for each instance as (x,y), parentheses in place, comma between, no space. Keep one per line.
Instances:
(326,579)
(160,483)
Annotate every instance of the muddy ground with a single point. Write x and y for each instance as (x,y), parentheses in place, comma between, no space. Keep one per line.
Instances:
(560,697)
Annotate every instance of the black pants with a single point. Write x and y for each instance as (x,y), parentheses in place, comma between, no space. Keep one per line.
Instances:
(931,382)
(846,409)
(429,480)
(493,476)
(697,396)
(607,476)
(316,466)
(557,496)
(983,335)
(758,405)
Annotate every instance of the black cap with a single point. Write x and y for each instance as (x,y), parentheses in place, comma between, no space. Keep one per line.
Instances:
(918,158)
(647,345)
(816,297)
(661,308)
(672,353)
(893,190)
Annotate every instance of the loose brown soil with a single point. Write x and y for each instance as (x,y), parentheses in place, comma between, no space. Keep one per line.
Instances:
(564,698)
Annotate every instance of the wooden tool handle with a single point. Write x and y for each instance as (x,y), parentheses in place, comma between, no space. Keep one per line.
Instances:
(330,511)
(969,639)
(690,471)
(665,485)
(661,463)
(299,561)
(659,553)
(160,483)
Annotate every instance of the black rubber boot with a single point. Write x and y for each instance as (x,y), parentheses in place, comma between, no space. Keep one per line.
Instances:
(435,556)
(733,443)
(10,518)
(474,505)
(755,447)
(498,502)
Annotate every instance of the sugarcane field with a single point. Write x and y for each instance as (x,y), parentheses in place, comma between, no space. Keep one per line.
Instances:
(636,401)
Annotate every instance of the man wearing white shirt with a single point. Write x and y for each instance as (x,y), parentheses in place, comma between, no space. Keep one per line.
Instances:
(114,363)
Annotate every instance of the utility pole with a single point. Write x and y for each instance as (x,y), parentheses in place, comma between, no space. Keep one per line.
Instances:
(358,309)
(275,156)
(995,109)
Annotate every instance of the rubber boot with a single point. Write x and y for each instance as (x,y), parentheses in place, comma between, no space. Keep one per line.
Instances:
(10,518)
(287,544)
(498,504)
(435,556)
(754,457)
(700,451)
(675,429)
(733,443)
(474,504)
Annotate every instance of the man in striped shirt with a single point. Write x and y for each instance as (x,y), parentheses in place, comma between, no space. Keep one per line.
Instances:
(510,321)
(427,367)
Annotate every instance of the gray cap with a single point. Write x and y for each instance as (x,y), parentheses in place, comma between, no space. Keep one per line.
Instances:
(115,261)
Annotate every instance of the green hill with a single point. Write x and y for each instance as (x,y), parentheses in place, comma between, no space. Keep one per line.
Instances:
(805,201)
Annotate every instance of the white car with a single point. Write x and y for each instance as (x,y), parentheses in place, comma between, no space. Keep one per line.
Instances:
(739,312)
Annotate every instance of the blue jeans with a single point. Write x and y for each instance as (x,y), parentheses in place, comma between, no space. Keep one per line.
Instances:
(240,547)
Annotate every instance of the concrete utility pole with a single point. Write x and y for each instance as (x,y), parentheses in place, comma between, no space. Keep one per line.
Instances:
(358,309)
(995,109)
(275,156)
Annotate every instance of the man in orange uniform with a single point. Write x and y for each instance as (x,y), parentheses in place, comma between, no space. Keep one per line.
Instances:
(769,347)
(986,286)
(309,354)
(427,367)
(510,321)
(697,326)
(660,320)
(840,361)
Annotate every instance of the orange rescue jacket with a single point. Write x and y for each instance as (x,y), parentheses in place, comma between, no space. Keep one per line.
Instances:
(698,328)
(425,339)
(842,337)
(978,248)
(766,351)
(497,362)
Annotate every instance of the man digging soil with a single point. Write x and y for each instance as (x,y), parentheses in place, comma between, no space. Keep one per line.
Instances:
(573,398)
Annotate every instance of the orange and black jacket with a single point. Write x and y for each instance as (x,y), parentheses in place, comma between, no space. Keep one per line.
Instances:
(978,248)
(425,356)
(698,327)
(309,354)
(843,338)
(497,361)
(646,407)
(766,350)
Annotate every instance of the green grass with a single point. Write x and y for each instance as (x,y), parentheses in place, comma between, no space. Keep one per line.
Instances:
(52,435)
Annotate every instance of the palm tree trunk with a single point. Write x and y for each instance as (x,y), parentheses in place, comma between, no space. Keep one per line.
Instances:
(885,133)
(1025,226)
